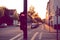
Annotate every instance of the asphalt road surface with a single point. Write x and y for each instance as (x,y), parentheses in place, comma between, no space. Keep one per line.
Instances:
(39,33)
(43,33)
(11,33)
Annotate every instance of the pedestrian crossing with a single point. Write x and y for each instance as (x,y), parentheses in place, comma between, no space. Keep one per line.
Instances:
(43,36)
(40,33)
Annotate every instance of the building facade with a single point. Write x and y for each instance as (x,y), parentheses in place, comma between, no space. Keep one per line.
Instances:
(8,16)
(53,8)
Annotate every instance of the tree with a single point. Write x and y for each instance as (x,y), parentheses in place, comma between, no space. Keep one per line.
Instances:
(15,15)
(1,12)
(33,15)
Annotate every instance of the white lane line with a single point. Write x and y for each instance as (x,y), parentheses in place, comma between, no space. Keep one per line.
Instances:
(34,36)
(16,36)
(40,36)
(20,38)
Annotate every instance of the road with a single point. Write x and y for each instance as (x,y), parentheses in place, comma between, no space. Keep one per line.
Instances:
(39,33)
(10,33)
(42,33)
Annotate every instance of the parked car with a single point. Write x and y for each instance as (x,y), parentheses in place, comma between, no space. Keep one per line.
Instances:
(35,25)
(18,24)
(3,25)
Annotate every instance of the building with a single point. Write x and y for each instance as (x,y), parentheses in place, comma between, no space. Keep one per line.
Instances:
(53,8)
(10,16)
(2,14)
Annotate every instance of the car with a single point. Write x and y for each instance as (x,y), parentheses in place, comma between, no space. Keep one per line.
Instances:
(3,25)
(35,25)
(18,24)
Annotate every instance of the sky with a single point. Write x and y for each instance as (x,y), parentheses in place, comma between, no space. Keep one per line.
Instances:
(13,4)
(40,7)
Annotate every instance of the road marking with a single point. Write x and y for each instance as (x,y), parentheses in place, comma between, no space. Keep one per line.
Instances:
(20,38)
(40,36)
(16,36)
(34,36)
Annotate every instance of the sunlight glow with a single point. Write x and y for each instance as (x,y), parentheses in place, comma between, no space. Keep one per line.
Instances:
(40,7)
(13,4)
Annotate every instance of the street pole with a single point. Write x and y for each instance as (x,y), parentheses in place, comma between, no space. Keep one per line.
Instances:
(25,6)
(49,15)
(57,27)
(25,11)
(57,21)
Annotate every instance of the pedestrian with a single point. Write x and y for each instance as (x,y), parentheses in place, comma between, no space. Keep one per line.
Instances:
(23,24)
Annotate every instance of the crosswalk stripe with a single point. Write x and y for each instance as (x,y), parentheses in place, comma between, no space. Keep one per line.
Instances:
(40,36)
(16,36)
(20,38)
(34,36)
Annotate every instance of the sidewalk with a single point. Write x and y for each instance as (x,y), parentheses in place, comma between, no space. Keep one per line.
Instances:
(51,34)
(49,28)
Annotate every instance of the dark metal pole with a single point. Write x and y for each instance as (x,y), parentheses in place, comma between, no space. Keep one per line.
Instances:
(25,11)
(49,15)
(57,27)
(25,6)
(57,21)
